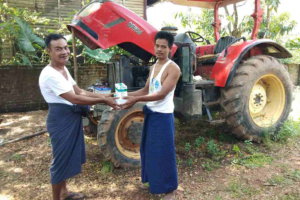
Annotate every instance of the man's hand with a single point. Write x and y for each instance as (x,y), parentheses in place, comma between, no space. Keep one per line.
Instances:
(131,100)
(110,101)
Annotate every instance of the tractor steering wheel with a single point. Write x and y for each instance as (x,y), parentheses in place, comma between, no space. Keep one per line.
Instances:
(198,37)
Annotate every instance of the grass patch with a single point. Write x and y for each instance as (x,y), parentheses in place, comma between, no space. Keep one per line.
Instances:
(290,130)
(291,196)
(294,175)
(17,157)
(106,168)
(279,180)
(209,165)
(254,161)
(241,190)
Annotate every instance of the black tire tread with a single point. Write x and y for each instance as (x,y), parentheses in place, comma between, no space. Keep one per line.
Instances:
(233,99)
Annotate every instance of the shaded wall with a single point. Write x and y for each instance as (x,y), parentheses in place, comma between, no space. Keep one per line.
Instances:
(20,92)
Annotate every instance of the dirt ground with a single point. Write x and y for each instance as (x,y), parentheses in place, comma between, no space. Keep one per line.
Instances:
(24,167)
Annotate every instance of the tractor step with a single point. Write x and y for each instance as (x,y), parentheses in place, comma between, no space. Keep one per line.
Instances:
(211,103)
(204,83)
(215,122)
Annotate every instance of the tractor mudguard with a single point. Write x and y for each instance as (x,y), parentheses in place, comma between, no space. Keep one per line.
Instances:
(104,24)
(225,67)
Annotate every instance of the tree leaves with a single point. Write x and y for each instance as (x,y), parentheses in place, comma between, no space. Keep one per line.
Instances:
(25,59)
(99,55)
(26,37)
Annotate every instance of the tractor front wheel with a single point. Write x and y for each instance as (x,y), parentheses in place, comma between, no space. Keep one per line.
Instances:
(258,99)
(119,135)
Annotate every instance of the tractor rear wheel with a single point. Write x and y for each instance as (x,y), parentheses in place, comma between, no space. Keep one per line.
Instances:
(258,99)
(119,135)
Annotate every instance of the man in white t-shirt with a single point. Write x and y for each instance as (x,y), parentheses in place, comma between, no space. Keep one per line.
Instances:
(64,123)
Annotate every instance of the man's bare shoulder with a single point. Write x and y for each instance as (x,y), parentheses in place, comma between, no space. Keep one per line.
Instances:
(151,68)
(174,68)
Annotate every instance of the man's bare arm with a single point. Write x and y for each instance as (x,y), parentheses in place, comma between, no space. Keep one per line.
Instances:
(84,100)
(168,85)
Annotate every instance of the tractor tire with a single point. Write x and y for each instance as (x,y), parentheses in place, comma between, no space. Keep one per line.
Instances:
(119,135)
(259,98)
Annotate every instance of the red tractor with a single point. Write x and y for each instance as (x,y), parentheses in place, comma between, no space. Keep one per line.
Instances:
(245,78)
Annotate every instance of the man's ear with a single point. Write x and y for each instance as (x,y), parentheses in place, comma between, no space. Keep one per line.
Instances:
(48,50)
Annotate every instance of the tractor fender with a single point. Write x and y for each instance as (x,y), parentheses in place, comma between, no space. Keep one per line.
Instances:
(225,67)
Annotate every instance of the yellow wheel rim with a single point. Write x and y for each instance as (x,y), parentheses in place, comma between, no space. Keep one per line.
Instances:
(267,101)
(128,134)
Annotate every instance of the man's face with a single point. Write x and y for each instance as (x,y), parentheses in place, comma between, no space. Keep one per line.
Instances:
(161,48)
(59,51)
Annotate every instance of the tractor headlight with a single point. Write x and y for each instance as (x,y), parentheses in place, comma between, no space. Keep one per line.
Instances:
(89,9)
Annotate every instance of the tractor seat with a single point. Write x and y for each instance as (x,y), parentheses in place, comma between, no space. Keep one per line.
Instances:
(220,46)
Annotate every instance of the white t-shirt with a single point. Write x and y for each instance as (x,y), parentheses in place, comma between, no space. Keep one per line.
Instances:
(52,84)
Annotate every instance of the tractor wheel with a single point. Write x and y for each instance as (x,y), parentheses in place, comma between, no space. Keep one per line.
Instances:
(119,135)
(258,99)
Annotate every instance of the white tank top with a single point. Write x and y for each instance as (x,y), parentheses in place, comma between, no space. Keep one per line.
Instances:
(165,105)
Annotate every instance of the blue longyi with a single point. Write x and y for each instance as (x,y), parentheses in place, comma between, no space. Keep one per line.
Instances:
(158,152)
(64,124)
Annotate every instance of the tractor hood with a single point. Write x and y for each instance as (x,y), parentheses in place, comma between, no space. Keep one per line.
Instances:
(204,3)
(104,24)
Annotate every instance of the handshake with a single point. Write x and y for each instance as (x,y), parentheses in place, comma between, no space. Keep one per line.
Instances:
(122,103)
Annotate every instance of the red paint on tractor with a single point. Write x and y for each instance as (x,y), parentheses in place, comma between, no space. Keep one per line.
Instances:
(204,71)
(205,50)
(133,29)
(223,66)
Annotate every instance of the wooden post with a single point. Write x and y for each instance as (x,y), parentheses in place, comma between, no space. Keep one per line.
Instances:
(58,9)
(74,55)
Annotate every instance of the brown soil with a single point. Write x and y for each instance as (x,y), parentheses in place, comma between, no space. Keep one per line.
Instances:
(24,170)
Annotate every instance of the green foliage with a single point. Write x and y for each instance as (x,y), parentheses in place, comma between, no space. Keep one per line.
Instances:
(275,27)
(97,55)
(15,26)
(236,149)
(210,133)
(241,190)
(253,161)
(199,141)
(26,38)
(279,26)
(199,23)
(49,141)
(279,180)
(209,165)
(107,167)
(17,157)
(293,44)
(190,162)
(290,129)
(212,149)
(187,147)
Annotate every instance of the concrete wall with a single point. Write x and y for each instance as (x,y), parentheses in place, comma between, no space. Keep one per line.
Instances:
(19,90)
(294,70)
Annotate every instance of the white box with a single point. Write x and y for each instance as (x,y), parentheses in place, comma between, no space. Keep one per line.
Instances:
(121,91)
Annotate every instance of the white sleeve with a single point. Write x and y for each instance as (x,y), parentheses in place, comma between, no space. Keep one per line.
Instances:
(57,85)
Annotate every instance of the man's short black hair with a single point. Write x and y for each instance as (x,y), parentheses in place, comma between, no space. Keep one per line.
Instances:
(165,35)
(51,37)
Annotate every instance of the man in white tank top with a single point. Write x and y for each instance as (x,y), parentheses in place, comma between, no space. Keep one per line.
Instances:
(157,149)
